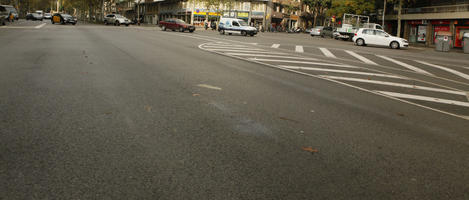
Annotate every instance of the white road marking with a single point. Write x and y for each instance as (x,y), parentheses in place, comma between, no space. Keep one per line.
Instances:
(340,83)
(359,57)
(226,45)
(209,86)
(327,53)
(397,85)
(424,98)
(40,26)
(445,69)
(275,46)
(299,49)
(242,51)
(303,62)
(343,71)
(272,56)
(418,70)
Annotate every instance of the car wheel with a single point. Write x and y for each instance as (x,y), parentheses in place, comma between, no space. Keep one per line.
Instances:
(360,42)
(126,24)
(191,31)
(52,21)
(322,35)
(394,45)
(118,23)
(244,33)
(181,29)
(252,34)
(163,28)
(222,32)
(74,24)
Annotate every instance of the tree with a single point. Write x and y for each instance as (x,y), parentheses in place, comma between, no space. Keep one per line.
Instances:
(317,7)
(359,7)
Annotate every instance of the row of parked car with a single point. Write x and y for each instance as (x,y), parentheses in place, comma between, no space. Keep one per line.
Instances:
(363,37)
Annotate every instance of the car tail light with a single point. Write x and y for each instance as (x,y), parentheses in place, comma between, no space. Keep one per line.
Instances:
(356,34)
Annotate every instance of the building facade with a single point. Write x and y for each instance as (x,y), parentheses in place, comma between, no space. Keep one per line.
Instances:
(422,20)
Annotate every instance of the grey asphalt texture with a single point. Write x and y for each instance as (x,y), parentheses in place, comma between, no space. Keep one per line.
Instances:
(103,112)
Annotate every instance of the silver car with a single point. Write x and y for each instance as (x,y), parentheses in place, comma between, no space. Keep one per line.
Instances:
(116,19)
(316,31)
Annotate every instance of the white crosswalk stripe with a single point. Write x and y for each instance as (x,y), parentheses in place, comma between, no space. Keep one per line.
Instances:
(327,53)
(271,56)
(299,49)
(455,72)
(275,46)
(361,58)
(343,71)
(416,69)
(398,85)
(304,62)
(424,98)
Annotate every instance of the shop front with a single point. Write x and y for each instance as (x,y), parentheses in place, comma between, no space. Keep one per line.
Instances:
(418,31)
(201,14)
(461,27)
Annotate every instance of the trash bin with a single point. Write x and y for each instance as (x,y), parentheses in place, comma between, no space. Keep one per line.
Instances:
(465,39)
(444,41)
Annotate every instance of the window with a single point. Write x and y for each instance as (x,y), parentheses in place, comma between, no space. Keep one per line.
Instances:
(381,33)
(235,23)
(369,32)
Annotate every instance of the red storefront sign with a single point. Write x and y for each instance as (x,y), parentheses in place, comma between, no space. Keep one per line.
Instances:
(436,22)
(437,29)
(415,22)
(460,30)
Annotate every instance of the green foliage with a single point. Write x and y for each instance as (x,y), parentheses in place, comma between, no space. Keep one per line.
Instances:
(339,7)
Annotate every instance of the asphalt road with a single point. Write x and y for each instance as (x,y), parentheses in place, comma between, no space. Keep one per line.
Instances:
(104,112)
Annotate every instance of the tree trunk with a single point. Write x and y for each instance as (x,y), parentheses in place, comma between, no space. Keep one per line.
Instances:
(399,19)
(384,12)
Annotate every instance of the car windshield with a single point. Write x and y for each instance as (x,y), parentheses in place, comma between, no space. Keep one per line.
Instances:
(242,23)
(119,16)
(180,21)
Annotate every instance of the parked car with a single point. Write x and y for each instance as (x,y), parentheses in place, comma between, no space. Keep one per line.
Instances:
(316,31)
(116,19)
(327,32)
(233,25)
(34,17)
(378,37)
(63,19)
(47,16)
(12,13)
(176,24)
(3,15)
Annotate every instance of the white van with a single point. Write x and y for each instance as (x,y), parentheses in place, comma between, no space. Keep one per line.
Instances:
(238,26)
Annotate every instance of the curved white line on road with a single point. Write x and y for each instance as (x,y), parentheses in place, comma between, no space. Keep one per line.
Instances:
(455,72)
(304,62)
(271,56)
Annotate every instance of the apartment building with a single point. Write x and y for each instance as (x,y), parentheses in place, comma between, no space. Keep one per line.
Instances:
(422,20)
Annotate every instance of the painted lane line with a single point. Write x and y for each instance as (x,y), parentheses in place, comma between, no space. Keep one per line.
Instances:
(361,58)
(271,56)
(241,51)
(424,98)
(445,69)
(415,69)
(303,62)
(40,26)
(275,46)
(344,72)
(226,45)
(397,85)
(299,49)
(209,86)
(327,53)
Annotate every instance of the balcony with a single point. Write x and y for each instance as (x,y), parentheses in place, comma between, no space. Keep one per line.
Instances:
(460,11)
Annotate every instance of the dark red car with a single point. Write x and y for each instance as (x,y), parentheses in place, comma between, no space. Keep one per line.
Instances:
(176,24)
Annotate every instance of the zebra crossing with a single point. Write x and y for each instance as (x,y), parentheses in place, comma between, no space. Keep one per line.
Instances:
(460,74)
(424,94)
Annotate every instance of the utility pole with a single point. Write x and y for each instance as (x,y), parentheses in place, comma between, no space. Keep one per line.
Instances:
(192,12)
(138,12)
(250,12)
(384,13)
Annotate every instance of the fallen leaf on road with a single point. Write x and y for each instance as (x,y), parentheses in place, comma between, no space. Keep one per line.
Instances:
(400,114)
(147,108)
(286,119)
(310,149)
(195,95)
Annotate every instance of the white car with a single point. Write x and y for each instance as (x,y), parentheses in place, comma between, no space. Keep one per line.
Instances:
(116,20)
(367,36)
(233,25)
